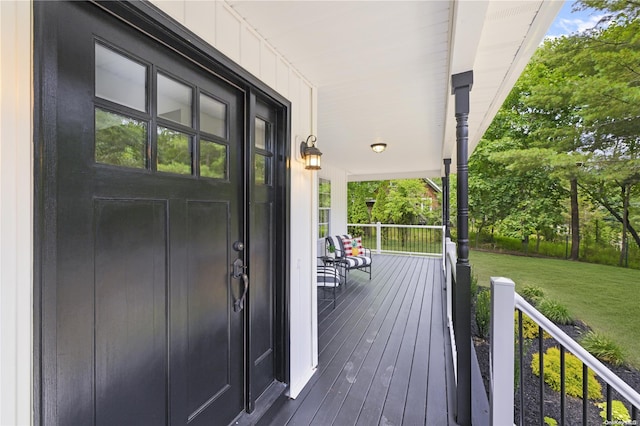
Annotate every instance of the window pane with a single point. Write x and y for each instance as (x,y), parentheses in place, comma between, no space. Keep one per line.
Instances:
(174,100)
(324,186)
(119,79)
(323,231)
(120,140)
(261,134)
(323,216)
(174,151)
(213,116)
(325,200)
(324,207)
(262,169)
(213,160)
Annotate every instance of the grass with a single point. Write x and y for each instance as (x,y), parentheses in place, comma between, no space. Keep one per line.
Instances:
(603,297)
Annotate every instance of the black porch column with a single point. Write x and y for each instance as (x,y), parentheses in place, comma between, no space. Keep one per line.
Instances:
(445,197)
(461,85)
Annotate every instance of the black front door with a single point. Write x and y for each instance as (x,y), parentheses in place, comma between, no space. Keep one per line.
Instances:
(142,315)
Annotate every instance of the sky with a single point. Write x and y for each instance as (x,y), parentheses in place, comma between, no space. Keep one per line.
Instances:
(568,22)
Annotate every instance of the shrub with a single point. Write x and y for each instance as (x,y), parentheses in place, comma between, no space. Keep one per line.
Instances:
(619,413)
(474,286)
(533,294)
(573,374)
(550,421)
(555,311)
(603,348)
(529,327)
(483,313)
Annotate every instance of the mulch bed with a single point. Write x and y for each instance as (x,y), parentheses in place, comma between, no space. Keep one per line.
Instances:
(573,405)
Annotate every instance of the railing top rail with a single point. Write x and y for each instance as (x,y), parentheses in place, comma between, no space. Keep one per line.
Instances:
(391,225)
(600,369)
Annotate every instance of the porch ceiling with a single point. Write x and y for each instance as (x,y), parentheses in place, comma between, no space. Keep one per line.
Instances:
(383,71)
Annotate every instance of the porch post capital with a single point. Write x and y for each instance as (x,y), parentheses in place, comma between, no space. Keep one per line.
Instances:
(460,87)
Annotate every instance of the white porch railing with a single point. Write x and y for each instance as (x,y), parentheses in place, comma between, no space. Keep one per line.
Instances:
(412,240)
(504,300)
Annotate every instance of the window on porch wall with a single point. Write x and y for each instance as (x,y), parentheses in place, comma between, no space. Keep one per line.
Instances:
(324,208)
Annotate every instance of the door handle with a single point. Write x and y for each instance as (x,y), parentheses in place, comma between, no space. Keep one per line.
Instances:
(238,273)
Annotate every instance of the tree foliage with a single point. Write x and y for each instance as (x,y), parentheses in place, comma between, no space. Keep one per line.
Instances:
(571,121)
(403,201)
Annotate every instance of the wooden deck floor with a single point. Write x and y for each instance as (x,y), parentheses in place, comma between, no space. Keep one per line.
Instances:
(383,351)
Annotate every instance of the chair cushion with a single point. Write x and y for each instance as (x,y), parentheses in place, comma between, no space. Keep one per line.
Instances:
(328,276)
(357,261)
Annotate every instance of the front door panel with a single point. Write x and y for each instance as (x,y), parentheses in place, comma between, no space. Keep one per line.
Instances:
(149,200)
(214,366)
(130,306)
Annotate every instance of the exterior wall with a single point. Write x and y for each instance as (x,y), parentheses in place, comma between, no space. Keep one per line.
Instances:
(16,217)
(219,25)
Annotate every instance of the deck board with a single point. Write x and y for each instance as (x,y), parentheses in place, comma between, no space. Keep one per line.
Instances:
(417,387)
(396,401)
(381,351)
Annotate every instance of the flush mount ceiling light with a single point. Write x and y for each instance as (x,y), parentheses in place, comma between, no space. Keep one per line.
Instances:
(378,147)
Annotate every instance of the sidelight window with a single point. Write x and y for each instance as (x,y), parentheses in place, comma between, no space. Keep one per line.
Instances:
(263,145)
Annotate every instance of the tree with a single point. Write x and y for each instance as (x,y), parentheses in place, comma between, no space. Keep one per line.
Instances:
(601,69)
(358,194)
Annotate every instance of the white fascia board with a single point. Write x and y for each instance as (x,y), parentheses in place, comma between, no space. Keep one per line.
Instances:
(538,22)
(467,23)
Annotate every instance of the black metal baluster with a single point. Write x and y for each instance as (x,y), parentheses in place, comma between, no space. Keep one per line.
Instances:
(521,360)
(562,386)
(394,232)
(541,359)
(634,413)
(585,393)
(609,404)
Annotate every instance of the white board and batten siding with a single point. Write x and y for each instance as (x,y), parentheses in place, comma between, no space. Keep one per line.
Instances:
(16,213)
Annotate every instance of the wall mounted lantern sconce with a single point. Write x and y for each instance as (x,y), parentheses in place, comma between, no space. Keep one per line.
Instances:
(378,147)
(310,153)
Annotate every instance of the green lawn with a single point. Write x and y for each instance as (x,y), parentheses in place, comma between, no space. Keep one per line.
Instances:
(606,298)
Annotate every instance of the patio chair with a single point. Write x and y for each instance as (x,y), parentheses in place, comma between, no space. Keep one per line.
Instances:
(349,253)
